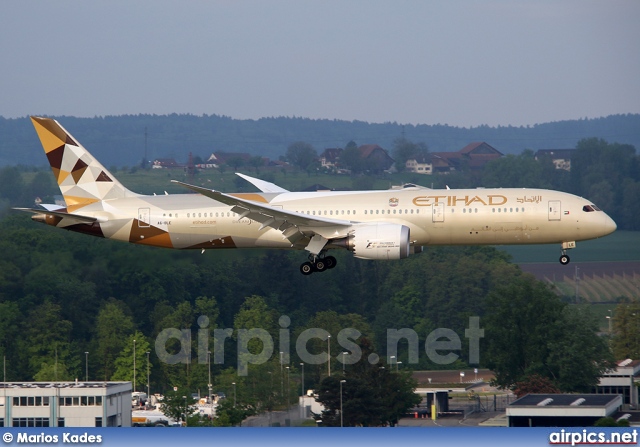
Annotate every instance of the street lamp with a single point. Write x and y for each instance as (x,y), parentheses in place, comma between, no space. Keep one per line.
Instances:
(461,376)
(329,354)
(281,374)
(610,317)
(185,411)
(341,419)
(288,389)
(343,363)
(86,366)
(302,381)
(134,365)
(398,363)
(210,384)
(234,394)
(148,381)
(391,359)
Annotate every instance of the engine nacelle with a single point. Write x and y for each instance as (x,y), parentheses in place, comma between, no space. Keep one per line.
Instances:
(379,241)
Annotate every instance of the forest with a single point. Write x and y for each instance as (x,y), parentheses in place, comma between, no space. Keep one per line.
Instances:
(123,140)
(73,305)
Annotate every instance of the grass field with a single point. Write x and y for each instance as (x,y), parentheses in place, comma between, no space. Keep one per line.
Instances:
(606,269)
(159,180)
(617,247)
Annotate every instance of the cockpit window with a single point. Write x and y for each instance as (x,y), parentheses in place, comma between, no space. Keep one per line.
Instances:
(590,208)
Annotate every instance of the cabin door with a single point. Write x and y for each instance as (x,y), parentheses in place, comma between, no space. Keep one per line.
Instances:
(438,212)
(555,210)
(144,217)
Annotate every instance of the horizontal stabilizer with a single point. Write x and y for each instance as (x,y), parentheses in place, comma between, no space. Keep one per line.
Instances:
(73,217)
(51,207)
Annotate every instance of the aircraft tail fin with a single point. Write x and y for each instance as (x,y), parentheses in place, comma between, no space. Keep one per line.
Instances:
(81,178)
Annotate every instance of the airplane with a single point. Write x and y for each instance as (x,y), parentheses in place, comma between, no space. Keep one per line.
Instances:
(377,225)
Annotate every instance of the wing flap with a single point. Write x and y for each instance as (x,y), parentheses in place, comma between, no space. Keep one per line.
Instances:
(290,223)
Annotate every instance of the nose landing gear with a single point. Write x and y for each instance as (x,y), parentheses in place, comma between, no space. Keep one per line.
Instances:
(317,264)
(564,257)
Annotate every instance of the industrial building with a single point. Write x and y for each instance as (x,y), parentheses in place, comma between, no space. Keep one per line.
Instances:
(622,380)
(562,410)
(65,404)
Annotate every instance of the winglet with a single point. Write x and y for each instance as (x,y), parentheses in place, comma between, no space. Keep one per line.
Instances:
(261,184)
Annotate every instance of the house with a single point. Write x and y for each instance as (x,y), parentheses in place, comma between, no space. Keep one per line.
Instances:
(420,165)
(65,404)
(473,156)
(330,157)
(374,158)
(377,159)
(561,158)
(229,158)
(165,163)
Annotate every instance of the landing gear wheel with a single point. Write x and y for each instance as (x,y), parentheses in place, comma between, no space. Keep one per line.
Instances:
(306,268)
(330,262)
(564,259)
(321,265)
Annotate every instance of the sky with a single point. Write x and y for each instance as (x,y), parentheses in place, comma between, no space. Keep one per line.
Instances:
(463,63)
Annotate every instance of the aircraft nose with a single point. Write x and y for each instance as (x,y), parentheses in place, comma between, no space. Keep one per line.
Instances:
(609,225)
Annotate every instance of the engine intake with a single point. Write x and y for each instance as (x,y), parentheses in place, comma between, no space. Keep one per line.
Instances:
(382,241)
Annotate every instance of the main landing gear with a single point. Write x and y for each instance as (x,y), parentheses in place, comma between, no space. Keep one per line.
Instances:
(317,264)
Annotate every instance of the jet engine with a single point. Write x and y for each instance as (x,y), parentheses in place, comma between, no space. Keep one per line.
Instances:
(378,241)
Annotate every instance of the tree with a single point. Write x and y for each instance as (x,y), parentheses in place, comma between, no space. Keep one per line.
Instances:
(10,319)
(535,384)
(48,338)
(515,171)
(113,325)
(301,155)
(228,415)
(530,331)
(626,330)
(125,362)
(255,313)
(178,404)
(53,371)
(351,159)
(256,163)
(372,395)
(404,150)
(12,186)
(611,422)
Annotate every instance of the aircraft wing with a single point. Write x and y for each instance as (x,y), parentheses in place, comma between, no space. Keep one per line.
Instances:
(261,184)
(292,225)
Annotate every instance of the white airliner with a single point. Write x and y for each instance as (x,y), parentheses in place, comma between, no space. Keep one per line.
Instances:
(390,224)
